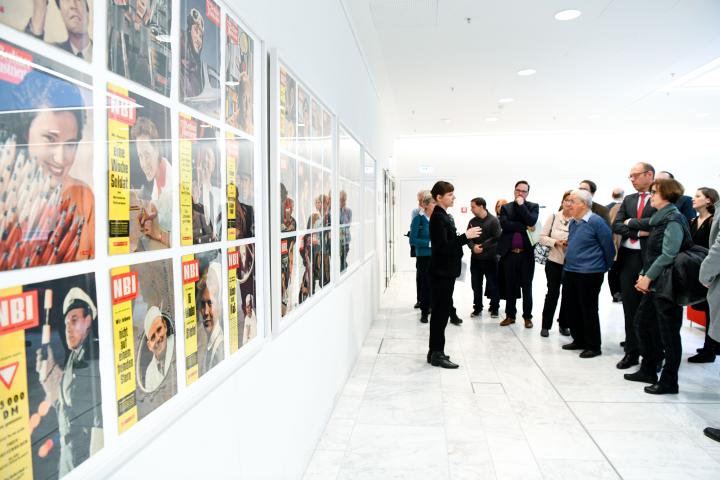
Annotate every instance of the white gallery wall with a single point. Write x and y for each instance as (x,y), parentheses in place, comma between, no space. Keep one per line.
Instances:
(263,420)
(489,165)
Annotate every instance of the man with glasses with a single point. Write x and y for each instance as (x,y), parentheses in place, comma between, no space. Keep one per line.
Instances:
(629,259)
(516,251)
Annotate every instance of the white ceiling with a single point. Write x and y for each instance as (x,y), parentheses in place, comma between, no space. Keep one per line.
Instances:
(612,63)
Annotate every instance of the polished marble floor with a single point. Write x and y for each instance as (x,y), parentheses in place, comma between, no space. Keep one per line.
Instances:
(518,406)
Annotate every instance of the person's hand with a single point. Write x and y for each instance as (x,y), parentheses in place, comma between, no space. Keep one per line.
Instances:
(627,221)
(37,20)
(561,244)
(643,284)
(51,376)
(477,249)
(643,233)
(531,229)
(519,200)
(473,232)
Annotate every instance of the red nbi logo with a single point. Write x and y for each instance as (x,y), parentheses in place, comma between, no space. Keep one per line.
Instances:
(233,260)
(19,312)
(190,271)
(124,287)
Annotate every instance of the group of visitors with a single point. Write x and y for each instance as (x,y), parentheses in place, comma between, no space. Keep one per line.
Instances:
(659,248)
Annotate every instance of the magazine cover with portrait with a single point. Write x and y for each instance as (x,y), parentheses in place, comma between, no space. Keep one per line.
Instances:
(65,24)
(288,110)
(288,193)
(139,173)
(144,339)
(201,198)
(49,377)
(288,275)
(241,295)
(240,187)
(203,313)
(47,206)
(239,75)
(200,56)
(139,46)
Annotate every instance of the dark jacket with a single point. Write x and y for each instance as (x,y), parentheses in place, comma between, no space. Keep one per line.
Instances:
(628,209)
(602,211)
(680,283)
(447,245)
(684,204)
(488,238)
(701,236)
(516,218)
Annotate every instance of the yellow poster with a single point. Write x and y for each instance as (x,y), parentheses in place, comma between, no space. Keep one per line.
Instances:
(121,115)
(15,446)
(188,132)
(232,159)
(233,263)
(124,284)
(190,275)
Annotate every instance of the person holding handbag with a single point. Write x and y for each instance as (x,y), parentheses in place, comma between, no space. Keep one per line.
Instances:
(445,261)
(554,236)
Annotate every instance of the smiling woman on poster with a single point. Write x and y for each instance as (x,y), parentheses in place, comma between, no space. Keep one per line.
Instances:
(41,151)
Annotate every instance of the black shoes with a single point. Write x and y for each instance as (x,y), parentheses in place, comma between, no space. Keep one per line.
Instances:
(429,356)
(476,312)
(572,346)
(424,318)
(417,305)
(703,356)
(565,332)
(590,353)
(660,389)
(494,314)
(629,360)
(712,433)
(455,320)
(544,332)
(438,359)
(642,377)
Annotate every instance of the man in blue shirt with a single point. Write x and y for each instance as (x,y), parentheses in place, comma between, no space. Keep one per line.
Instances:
(589,255)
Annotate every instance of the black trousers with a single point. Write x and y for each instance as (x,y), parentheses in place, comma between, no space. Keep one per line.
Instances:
(554,275)
(581,291)
(656,314)
(485,270)
(519,272)
(418,275)
(630,264)
(710,345)
(442,292)
(614,279)
(423,268)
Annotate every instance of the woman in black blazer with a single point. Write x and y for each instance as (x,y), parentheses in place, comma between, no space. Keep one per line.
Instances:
(445,262)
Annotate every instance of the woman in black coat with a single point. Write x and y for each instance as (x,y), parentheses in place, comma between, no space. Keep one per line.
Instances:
(704,204)
(445,263)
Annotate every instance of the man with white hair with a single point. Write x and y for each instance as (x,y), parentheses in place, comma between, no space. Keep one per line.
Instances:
(210,308)
(589,255)
(162,345)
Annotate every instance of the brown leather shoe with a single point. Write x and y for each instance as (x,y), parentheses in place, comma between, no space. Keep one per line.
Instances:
(507,321)
(528,323)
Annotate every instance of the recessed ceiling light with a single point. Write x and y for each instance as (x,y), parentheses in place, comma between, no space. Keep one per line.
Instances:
(491,119)
(163,38)
(506,100)
(527,72)
(567,15)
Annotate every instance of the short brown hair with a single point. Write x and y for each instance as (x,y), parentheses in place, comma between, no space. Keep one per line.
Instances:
(669,189)
(712,195)
(565,195)
(441,188)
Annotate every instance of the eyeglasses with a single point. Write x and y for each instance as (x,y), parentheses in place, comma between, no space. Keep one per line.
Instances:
(521,191)
(633,176)
(653,192)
